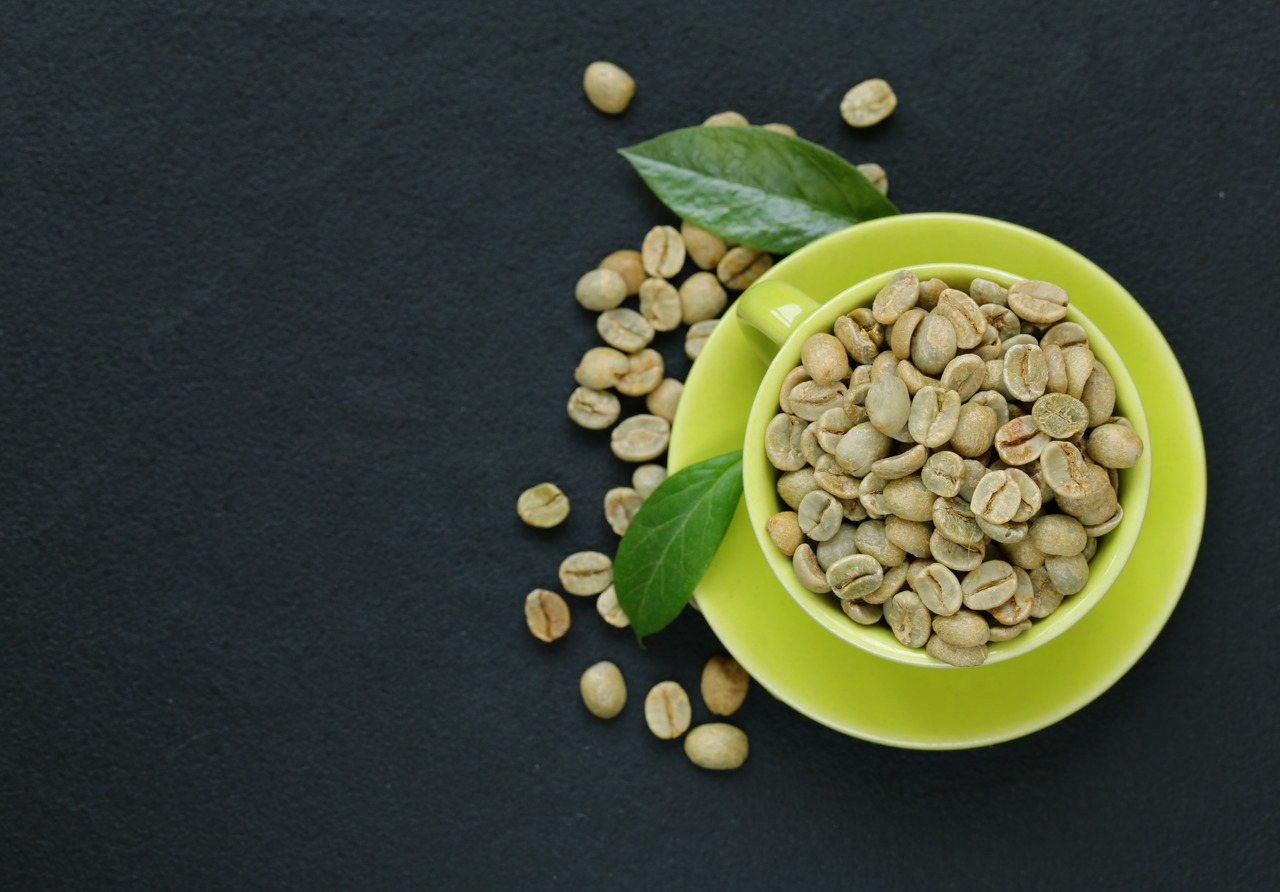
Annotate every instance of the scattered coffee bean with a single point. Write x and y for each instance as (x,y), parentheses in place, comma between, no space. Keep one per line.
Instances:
(696,338)
(544,505)
(601,368)
(621,504)
(726,119)
(610,610)
(741,266)
(626,263)
(716,746)
(724,684)
(647,478)
(664,398)
(660,304)
(868,103)
(601,289)
(603,690)
(640,438)
(701,297)
(608,87)
(667,710)
(546,614)
(704,248)
(662,252)
(875,173)
(586,573)
(624,329)
(593,409)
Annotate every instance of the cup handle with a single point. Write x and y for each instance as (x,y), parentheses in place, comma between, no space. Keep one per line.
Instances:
(772,310)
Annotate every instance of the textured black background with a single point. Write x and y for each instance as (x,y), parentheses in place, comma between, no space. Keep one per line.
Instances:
(286,324)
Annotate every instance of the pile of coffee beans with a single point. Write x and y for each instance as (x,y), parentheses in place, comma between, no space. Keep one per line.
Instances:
(628,366)
(949,459)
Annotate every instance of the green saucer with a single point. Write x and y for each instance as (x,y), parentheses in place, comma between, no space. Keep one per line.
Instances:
(835,683)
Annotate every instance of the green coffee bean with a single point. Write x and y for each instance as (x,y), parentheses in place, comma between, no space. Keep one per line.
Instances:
(784,529)
(663,399)
(782,442)
(990,585)
(1057,534)
(933,344)
(939,589)
(985,292)
(888,404)
(860,448)
(795,485)
(963,657)
(601,368)
(953,520)
(894,579)
(1047,598)
(909,498)
(546,614)
(961,558)
(901,465)
(704,248)
(964,628)
(965,316)
(1008,633)
(741,266)
(593,409)
(1114,446)
(603,690)
(608,87)
(621,504)
(627,264)
(861,612)
(911,536)
(909,618)
(855,576)
(860,334)
(667,710)
(724,684)
(975,430)
(809,399)
(1038,302)
(586,573)
(805,565)
(662,252)
(643,375)
(660,304)
(624,329)
(934,415)
(640,438)
(600,289)
(896,297)
(610,610)
(943,473)
(868,103)
(1060,415)
(1018,608)
(716,746)
(544,505)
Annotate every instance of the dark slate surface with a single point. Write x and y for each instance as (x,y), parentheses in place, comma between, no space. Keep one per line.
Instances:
(287,325)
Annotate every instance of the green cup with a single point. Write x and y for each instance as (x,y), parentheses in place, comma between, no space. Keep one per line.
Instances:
(778,318)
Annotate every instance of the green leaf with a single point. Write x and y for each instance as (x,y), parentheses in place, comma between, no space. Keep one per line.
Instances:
(768,190)
(672,539)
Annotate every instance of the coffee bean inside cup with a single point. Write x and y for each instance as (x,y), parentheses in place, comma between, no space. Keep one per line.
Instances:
(994,478)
